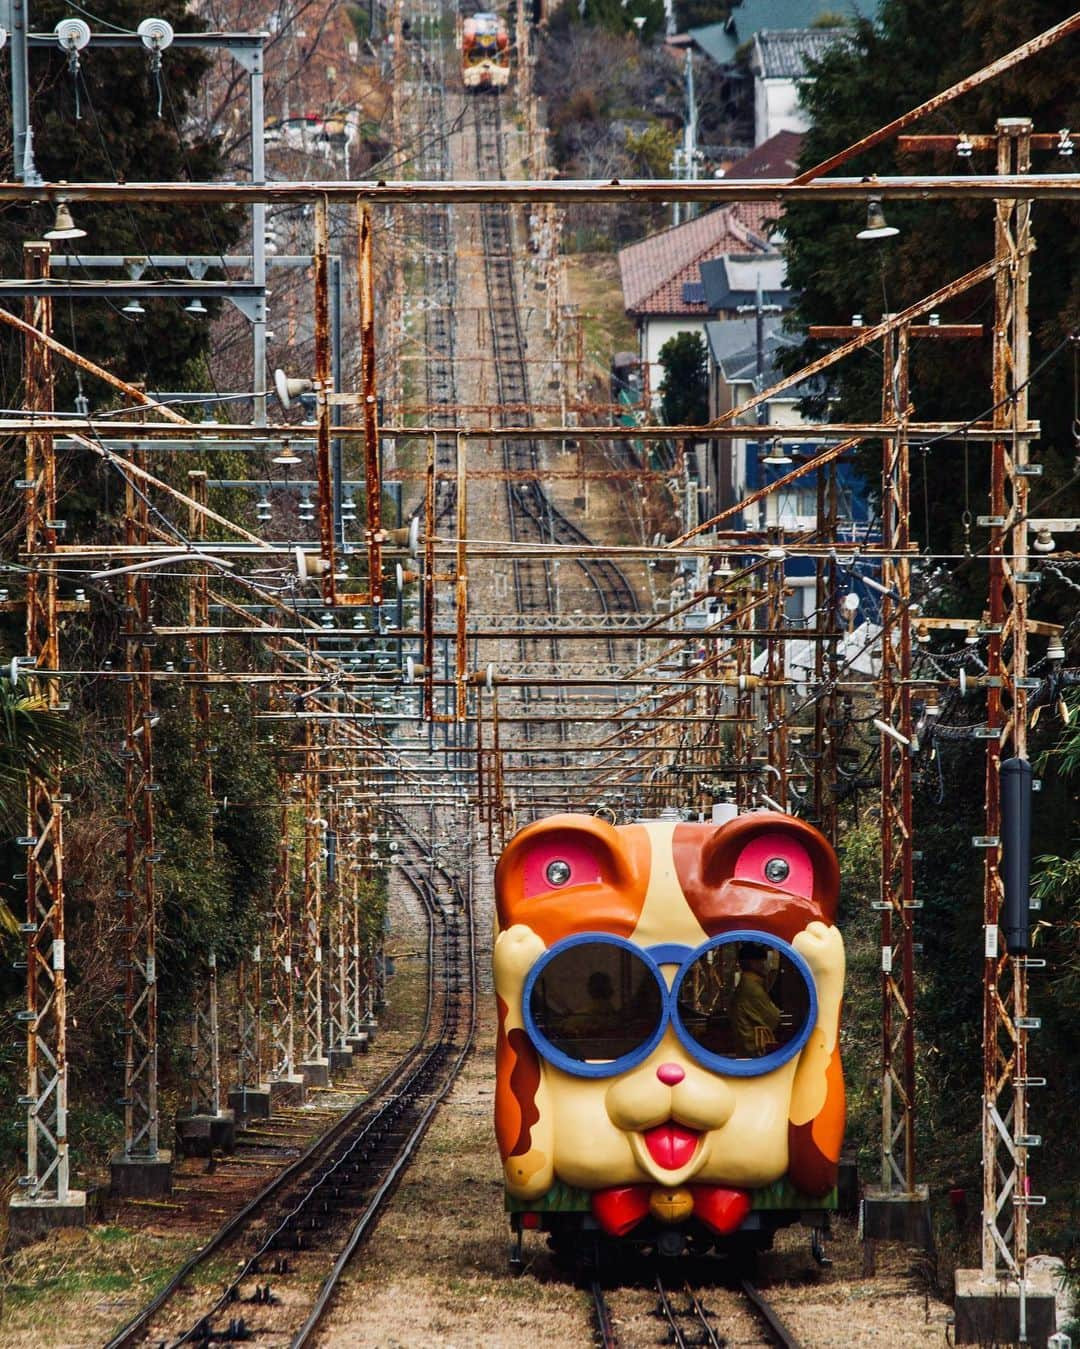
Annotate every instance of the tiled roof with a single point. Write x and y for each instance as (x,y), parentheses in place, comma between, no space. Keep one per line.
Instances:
(778,157)
(783,54)
(721,41)
(655,269)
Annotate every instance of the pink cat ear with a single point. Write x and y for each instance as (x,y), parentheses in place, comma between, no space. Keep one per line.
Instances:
(769,848)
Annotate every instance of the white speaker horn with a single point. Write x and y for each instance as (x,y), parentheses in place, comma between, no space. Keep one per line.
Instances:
(309,566)
(287,389)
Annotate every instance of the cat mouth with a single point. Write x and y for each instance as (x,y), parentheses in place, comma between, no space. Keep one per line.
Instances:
(671,1146)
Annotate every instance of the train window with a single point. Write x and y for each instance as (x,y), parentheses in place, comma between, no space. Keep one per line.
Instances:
(596,1001)
(743,1000)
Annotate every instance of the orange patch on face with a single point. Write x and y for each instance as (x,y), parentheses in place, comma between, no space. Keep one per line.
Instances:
(517,1077)
(814,1147)
(725,894)
(598,884)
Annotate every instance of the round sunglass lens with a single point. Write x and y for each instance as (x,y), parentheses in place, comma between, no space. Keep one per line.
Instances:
(743,1000)
(596,1002)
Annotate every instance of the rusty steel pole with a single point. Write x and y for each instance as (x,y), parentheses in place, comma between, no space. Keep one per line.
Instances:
(370,404)
(825,663)
(1006,1196)
(140,1030)
(461,586)
(776,726)
(282,978)
(897,899)
(312,948)
(204,1045)
(323,390)
(44,1017)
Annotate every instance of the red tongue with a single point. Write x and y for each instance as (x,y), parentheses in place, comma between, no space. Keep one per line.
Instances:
(670,1145)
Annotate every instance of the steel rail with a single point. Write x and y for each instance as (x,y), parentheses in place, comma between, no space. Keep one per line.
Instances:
(129,1334)
(390,1108)
(675,1334)
(330,1284)
(782,1336)
(605,1328)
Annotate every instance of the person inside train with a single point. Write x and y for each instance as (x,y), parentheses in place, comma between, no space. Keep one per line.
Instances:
(754,1015)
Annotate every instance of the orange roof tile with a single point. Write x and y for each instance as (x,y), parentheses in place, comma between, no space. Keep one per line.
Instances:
(654,270)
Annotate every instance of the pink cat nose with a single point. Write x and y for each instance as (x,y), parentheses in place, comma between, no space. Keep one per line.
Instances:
(670,1074)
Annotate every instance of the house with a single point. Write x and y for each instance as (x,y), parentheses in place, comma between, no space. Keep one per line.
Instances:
(778,62)
(734,281)
(774,68)
(661,280)
(729,470)
(777,157)
(725,42)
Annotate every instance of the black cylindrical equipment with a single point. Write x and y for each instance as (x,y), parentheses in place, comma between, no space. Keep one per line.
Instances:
(1015,867)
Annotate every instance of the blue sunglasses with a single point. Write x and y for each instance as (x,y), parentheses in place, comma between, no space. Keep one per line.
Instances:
(602,1016)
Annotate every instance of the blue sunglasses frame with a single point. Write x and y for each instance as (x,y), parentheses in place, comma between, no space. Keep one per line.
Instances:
(652,958)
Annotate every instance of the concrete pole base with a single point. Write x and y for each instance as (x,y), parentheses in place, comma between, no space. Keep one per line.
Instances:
(202,1134)
(340,1061)
(358,1043)
(988,1309)
(31,1219)
(141,1177)
(895,1216)
(250,1102)
(316,1072)
(289,1090)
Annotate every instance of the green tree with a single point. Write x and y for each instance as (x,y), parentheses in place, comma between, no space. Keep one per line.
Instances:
(918,48)
(33,737)
(684,390)
(102,126)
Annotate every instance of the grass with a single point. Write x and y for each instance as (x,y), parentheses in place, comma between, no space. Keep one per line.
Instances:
(93,1278)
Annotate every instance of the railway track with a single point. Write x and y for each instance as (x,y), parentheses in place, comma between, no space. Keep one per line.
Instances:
(687,1317)
(439,268)
(307,1224)
(533,517)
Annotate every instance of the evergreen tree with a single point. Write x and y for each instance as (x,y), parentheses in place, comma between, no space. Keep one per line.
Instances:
(918,49)
(104,125)
(684,390)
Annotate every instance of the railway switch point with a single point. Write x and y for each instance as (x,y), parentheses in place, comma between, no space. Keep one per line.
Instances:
(889,1215)
(316,1072)
(250,1102)
(988,1310)
(288,1090)
(31,1219)
(141,1177)
(201,1135)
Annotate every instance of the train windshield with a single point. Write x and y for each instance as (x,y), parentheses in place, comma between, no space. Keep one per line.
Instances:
(595,1002)
(743,1000)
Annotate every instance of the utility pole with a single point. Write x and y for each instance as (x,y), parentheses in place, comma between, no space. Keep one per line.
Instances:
(47,1199)
(142,1168)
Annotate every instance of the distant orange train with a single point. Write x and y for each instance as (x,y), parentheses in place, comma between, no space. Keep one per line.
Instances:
(485,53)
(668,1066)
